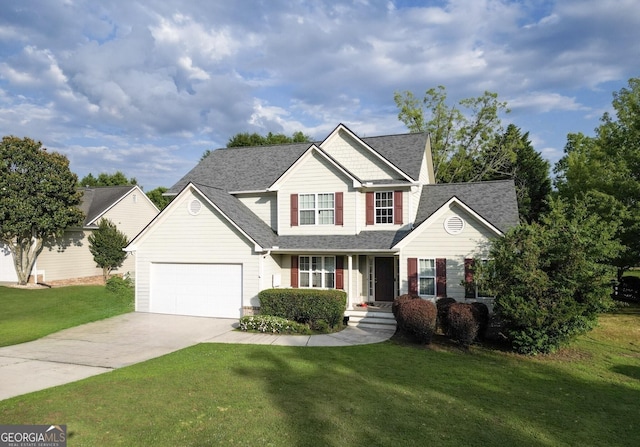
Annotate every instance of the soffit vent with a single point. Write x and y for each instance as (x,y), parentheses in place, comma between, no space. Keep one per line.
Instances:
(195,206)
(454,225)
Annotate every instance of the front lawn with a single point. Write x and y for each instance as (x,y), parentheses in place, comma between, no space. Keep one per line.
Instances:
(387,394)
(28,314)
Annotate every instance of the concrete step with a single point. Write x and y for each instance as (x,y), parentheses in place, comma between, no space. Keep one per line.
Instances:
(371,319)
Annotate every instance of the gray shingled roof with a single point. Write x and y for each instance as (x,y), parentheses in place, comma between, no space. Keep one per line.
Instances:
(495,201)
(242,216)
(256,168)
(96,200)
(365,240)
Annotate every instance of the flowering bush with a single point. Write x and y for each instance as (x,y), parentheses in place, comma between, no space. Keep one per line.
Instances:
(272,325)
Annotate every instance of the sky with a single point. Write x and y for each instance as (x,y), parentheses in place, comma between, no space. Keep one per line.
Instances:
(146,87)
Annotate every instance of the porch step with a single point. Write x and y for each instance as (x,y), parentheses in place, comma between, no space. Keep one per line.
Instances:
(371,319)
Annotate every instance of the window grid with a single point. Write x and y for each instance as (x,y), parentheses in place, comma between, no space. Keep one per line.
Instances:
(384,207)
(317,272)
(320,205)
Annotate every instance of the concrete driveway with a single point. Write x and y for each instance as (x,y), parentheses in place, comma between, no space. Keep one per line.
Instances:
(95,348)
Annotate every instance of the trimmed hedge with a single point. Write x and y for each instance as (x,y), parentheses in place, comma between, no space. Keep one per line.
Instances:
(443,305)
(415,317)
(481,314)
(305,305)
(463,324)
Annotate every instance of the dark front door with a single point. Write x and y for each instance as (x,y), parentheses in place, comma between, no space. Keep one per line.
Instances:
(384,279)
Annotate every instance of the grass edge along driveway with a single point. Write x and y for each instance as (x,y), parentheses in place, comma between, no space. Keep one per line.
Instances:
(29,314)
(384,394)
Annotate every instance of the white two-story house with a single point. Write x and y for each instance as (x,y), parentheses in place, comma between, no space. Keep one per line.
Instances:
(359,214)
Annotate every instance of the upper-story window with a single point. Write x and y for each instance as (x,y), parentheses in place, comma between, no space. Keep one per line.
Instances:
(384,207)
(317,209)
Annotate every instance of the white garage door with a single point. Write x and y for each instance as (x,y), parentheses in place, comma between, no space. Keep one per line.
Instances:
(205,290)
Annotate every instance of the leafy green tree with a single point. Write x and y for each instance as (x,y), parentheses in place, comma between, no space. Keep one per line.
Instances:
(38,199)
(606,168)
(104,179)
(530,173)
(551,279)
(160,201)
(107,245)
(459,140)
(247,139)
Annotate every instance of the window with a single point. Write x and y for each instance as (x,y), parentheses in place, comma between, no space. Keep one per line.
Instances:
(317,209)
(427,277)
(384,207)
(317,272)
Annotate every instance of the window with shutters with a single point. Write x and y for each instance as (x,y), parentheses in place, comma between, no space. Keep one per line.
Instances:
(317,272)
(384,207)
(316,209)
(427,277)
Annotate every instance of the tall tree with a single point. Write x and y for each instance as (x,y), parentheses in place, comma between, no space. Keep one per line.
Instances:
(38,199)
(460,135)
(104,179)
(106,244)
(530,172)
(606,168)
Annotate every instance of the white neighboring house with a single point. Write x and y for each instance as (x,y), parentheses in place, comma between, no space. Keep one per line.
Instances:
(359,214)
(69,258)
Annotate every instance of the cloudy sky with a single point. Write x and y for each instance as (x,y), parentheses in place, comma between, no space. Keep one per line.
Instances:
(145,87)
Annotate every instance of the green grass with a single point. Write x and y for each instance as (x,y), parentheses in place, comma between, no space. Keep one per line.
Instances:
(388,394)
(28,314)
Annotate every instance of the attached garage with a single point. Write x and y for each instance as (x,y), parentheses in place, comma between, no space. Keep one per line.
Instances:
(205,290)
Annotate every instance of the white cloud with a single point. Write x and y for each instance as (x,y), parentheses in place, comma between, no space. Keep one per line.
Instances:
(157,83)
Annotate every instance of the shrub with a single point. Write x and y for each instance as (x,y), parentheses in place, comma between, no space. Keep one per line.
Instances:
(442,306)
(304,305)
(121,286)
(400,299)
(481,314)
(395,309)
(462,323)
(418,319)
(272,325)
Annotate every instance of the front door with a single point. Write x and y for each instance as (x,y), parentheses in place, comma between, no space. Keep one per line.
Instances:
(384,279)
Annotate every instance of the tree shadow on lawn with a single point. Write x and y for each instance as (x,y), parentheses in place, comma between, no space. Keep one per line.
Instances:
(387,394)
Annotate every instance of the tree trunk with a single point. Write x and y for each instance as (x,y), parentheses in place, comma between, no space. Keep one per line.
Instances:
(25,252)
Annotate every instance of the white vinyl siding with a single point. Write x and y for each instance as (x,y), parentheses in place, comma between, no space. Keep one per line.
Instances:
(434,242)
(357,159)
(316,176)
(208,238)
(264,205)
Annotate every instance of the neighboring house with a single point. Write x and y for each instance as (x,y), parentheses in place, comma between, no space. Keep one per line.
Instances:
(69,258)
(358,214)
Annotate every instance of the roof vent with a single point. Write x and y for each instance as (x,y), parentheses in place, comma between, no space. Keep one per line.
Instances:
(454,225)
(195,206)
